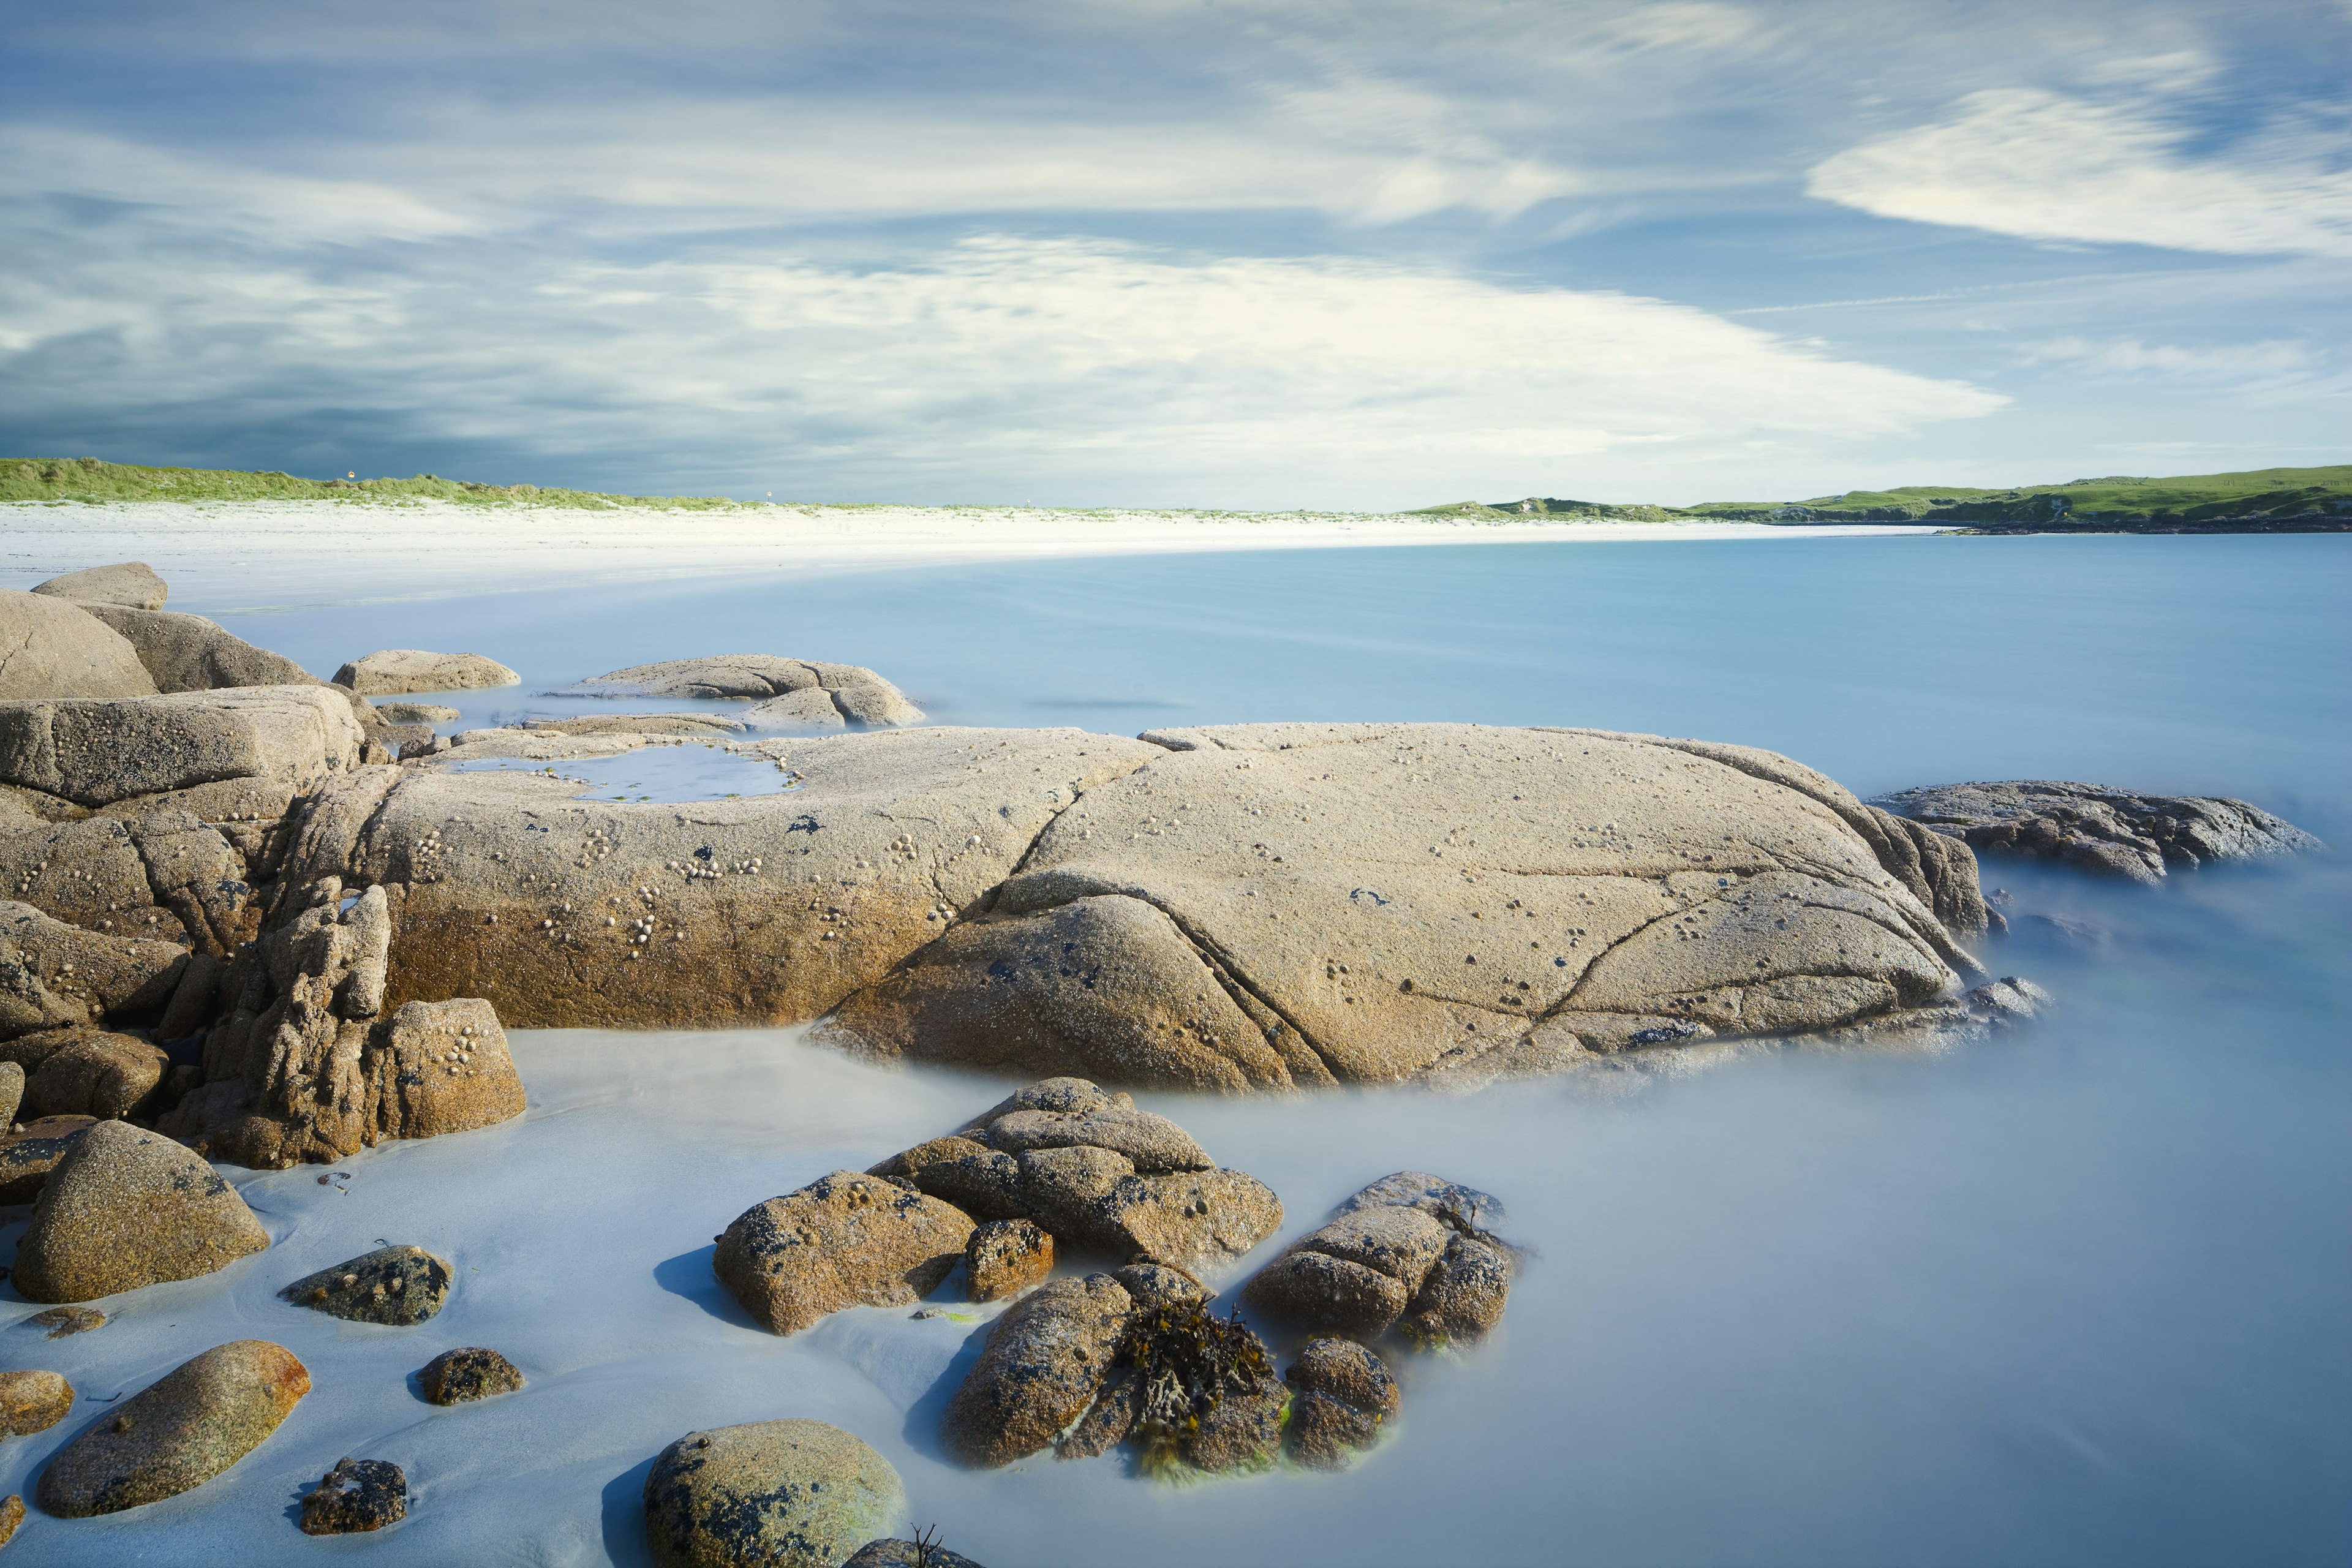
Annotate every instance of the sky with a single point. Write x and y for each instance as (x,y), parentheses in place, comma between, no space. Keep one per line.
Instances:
(1268,254)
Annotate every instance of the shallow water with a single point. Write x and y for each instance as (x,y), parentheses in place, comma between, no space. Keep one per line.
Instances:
(695,771)
(2077,1294)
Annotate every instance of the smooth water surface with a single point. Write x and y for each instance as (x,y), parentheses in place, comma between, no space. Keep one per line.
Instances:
(2077,1294)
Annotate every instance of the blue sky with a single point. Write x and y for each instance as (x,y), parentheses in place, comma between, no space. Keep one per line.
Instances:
(1181,252)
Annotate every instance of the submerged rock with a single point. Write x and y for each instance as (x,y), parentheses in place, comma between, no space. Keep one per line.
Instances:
(1044,1360)
(790,1494)
(2114,832)
(356,1495)
(131,583)
(32,1402)
(790,693)
(126,1209)
(1004,1258)
(393,672)
(1341,1395)
(402,1286)
(461,1376)
(844,1240)
(177,1434)
(1269,905)
(417,714)
(60,649)
(1405,1252)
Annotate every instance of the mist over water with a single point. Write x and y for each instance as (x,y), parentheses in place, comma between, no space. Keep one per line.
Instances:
(2079,1294)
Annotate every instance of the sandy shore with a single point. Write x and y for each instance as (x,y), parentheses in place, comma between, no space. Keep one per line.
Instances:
(227,557)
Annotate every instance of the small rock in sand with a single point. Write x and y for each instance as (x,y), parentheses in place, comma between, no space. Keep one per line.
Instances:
(394,671)
(32,1402)
(179,1433)
(402,1286)
(459,1376)
(356,1495)
(126,1209)
(1004,1258)
(63,1321)
(12,1515)
(784,1494)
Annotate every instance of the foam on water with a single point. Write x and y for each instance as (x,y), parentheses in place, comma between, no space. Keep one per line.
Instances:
(2077,1294)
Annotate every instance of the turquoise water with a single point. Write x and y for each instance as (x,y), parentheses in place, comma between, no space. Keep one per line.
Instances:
(2078,1295)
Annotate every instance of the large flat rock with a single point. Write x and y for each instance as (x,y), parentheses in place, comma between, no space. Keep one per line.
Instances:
(568,912)
(96,753)
(52,647)
(1269,905)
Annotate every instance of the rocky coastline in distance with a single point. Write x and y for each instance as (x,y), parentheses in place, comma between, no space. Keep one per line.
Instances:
(254,917)
(2262,501)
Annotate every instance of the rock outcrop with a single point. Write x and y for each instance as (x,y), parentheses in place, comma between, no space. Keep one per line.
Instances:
(81,1071)
(53,975)
(1004,1258)
(1044,1360)
(304,1067)
(394,672)
(1406,1253)
(844,1240)
(566,912)
(1341,1395)
(32,1402)
(165,875)
(51,649)
(129,583)
(357,1495)
(127,1208)
(401,1286)
(177,1434)
(2115,832)
(1145,1193)
(94,753)
(463,1375)
(189,653)
(1264,906)
(788,693)
(793,1494)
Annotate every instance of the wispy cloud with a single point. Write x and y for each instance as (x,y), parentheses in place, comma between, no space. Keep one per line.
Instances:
(2121,168)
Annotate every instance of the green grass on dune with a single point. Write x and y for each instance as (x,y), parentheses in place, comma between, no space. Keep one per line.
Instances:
(2191,499)
(90,479)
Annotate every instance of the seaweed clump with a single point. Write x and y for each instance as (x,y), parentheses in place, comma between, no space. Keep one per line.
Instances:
(1205,1396)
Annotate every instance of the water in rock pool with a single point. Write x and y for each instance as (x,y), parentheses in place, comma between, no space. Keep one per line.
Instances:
(2076,1294)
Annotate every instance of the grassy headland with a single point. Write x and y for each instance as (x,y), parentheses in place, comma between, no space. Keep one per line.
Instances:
(2259,501)
(88,479)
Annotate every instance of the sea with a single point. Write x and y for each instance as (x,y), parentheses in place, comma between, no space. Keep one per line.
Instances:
(2080,1293)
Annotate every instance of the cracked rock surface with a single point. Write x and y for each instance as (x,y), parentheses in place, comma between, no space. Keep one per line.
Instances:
(1263,906)
(572,913)
(2115,832)
(94,753)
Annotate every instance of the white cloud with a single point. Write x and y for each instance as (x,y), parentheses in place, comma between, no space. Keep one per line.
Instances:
(2261,368)
(1136,371)
(2045,166)
(212,194)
